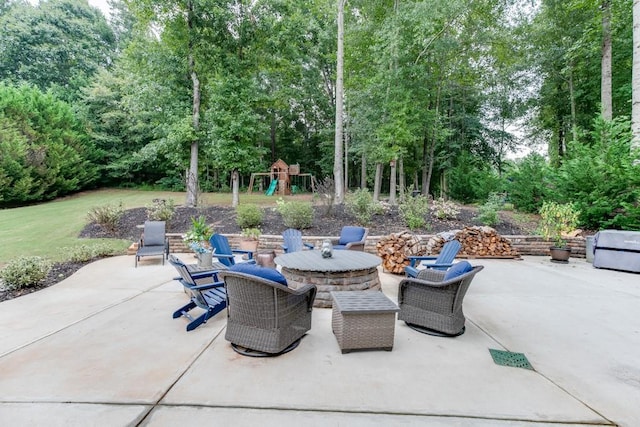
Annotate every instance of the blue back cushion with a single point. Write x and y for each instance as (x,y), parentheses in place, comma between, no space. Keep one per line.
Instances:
(350,234)
(262,272)
(458,269)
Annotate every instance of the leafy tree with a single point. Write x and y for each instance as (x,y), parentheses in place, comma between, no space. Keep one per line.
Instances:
(44,152)
(58,44)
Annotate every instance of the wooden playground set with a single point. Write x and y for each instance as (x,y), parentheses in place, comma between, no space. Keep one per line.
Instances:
(284,179)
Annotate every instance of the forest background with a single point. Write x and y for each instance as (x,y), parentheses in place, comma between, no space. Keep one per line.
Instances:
(196,95)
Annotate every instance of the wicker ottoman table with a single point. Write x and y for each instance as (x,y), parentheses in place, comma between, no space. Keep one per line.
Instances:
(363,320)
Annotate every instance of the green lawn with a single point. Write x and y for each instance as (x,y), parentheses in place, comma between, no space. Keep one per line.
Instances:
(46,228)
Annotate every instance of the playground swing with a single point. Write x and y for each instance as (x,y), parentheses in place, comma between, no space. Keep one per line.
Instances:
(281,176)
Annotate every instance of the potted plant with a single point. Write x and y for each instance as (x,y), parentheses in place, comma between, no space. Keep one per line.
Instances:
(556,221)
(250,239)
(197,239)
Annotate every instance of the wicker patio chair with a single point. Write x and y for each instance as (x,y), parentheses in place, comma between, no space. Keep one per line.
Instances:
(265,318)
(432,302)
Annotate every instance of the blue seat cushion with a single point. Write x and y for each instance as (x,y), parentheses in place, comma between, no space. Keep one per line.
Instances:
(262,272)
(458,269)
(351,234)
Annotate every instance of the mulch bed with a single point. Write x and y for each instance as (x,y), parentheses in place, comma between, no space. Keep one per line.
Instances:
(223,219)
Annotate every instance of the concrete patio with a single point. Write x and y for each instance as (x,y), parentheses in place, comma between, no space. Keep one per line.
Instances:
(101,349)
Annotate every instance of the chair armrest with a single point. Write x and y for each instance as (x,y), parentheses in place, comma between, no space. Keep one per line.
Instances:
(284,247)
(355,246)
(207,286)
(414,259)
(437,266)
(243,252)
(308,245)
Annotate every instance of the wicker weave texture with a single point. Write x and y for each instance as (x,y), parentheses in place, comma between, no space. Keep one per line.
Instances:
(437,304)
(365,326)
(263,315)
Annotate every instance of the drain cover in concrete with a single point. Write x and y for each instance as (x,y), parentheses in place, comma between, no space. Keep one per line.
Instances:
(507,358)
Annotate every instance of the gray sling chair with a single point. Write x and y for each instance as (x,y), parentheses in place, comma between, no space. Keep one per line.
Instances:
(154,241)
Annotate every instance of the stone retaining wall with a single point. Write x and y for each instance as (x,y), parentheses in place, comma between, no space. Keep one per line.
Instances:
(526,245)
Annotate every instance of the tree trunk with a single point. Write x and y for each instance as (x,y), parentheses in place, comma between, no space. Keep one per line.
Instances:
(346,160)
(425,167)
(392,182)
(635,108)
(572,99)
(363,171)
(606,96)
(402,185)
(377,183)
(235,188)
(192,177)
(338,178)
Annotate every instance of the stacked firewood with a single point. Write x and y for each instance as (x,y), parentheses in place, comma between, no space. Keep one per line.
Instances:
(396,249)
(477,242)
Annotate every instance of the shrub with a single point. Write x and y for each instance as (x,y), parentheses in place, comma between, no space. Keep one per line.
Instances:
(556,220)
(444,209)
(25,272)
(249,215)
(161,210)
(325,190)
(488,213)
(107,216)
(295,214)
(413,211)
(84,253)
(360,204)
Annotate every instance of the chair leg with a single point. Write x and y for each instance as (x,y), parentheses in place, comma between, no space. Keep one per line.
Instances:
(211,311)
(182,311)
(433,332)
(257,353)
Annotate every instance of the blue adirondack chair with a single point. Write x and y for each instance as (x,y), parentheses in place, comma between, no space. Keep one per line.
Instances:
(292,241)
(351,237)
(224,253)
(204,290)
(443,261)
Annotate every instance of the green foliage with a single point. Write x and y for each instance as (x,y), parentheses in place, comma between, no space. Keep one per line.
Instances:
(488,212)
(556,220)
(414,210)
(25,272)
(200,231)
(107,216)
(251,233)
(526,183)
(295,214)
(161,210)
(85,253)
(57,45)
(249,215)
(44,152)
(601,178)
(361,205)
(444,209)
(472,180)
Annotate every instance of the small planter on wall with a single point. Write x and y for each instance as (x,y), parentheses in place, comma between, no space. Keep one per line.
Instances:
(560,255)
